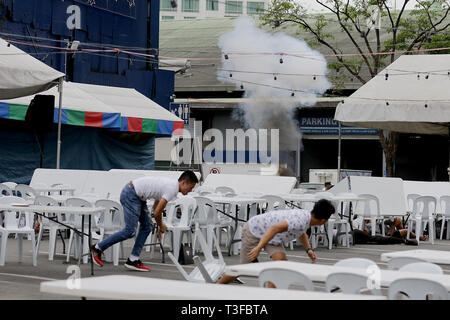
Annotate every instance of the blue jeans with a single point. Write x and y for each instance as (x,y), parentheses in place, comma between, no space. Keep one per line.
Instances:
(134,210)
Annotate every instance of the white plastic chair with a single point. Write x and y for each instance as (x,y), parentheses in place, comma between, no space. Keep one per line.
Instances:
(5,190)
(410,200)
(208,218)
(417,289)
(209,270)
(63,185)
(349,283)
(76,222)
(274,202)
(19,224)
(336,221)
(424,267)
(283,278)
(109,222)
(371,211)
(9,184)
(424,209)
(25,191)
(178,226)
(398,262)
(47,224)
(355,263)
(445,206)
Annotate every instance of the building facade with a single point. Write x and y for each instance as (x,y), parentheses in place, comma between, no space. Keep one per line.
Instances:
(200,9)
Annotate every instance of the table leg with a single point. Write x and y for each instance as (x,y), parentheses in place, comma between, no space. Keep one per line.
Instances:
(89,245)
(234,231)
(82,240)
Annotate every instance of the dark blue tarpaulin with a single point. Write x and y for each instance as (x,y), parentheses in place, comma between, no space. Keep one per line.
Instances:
(82,148)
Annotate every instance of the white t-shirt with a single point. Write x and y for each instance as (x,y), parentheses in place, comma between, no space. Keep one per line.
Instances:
(298,221)
(156,188)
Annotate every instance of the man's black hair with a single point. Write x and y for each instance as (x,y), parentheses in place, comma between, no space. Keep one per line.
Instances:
(323,209)
(328,183)
(188,176)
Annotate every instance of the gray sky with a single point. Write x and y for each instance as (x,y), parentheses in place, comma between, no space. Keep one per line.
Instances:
(313,6)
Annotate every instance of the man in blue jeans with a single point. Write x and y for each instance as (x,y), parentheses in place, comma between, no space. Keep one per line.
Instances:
(134,198)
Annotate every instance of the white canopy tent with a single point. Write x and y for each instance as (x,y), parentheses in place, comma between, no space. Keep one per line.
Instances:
(410,95)
(22,74)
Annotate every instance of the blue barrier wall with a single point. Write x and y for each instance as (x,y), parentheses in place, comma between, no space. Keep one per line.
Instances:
(116,23)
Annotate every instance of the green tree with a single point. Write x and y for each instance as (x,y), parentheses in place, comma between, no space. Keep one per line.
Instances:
(377,32)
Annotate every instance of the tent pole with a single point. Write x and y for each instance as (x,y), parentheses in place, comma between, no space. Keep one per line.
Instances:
(339,154)
(58,146)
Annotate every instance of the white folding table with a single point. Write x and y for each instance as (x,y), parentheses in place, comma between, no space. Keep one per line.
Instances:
(319,272)
(40,210)
(134,287)
(434,256)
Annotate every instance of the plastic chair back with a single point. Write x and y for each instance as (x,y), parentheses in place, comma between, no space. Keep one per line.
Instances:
(75,218)
(207,213)
(410,198)
(283,279)
(47,201)
(188,206)
(274,202)
(417,289)
(349,283)
(398,262)
(5,190)
(14,220)
(371,205)
(9,184)
(424,267)
(355,263)
(424,206)
(112,218)
(445,205)
(25,191)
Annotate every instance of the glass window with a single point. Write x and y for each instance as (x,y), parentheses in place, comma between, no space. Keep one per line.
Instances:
(189,17)
(255,7)
(233,7)
(190,6)
(212,5)
(167,17)
(166,5)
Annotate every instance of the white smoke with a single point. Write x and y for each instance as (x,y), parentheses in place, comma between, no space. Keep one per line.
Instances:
(266,83)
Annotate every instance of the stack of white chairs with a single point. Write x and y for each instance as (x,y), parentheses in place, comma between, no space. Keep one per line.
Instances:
(423,214)
(110,222)
(19,224)
(352,283)
(50,226)
(180,224)
(273,203)
(410,201)
(398,262)
(422,267)
(284,279)
(417,289)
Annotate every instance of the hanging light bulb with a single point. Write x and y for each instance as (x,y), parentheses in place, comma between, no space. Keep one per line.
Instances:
(281,60)
(242,87)
(418,77)
(292,94)
(274,77)
(386,76)
(427,76)
(231,75)
(226,57)
(314,78)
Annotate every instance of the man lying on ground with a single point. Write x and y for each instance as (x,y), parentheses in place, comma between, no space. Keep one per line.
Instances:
(271,229)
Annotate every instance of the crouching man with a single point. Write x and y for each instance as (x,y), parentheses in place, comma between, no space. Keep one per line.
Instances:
(271,229)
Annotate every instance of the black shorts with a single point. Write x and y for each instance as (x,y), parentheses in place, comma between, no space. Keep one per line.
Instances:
(397,234)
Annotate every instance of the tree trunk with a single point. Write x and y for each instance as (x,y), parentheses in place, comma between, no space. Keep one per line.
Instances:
(389,142)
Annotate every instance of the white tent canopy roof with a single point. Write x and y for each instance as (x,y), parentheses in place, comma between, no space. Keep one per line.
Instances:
(22,74)
(410,95)
(129,102)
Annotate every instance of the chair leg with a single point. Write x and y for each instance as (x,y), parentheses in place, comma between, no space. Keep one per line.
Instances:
(373,226)
(20,243)
(116,249)
(3,248)
(442,227)
(52,244)
(34,250)
(69,247)
(176,244)
(330,228)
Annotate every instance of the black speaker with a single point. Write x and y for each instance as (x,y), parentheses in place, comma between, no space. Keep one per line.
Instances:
(39,115)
